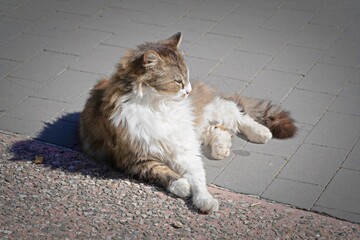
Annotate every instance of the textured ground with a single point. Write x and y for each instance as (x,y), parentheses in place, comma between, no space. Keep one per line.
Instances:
(69,196)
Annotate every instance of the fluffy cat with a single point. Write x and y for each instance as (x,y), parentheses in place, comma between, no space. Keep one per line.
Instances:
(148,121)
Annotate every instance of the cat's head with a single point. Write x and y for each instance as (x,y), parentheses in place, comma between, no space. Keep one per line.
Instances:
(159,67)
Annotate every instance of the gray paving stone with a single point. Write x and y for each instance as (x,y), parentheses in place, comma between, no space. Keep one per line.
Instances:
(294,59)
(32,10)
(192,29)
(40,31)
(77,7)
(241,65)
(78,42)
(225,85)
(313,164)
(208,46)
(13,2)
(211,173)
(356,78)
(260,8)
(343,192)
(11,94)
(164,13)
(23,47)
(288,21)
(9,28)
(353,159)
(251,174)
(264,41)
(271,85)
(20,126)
(336,130)
(342,52)
(199,68)
(212,10)
(305,5)
(44,66)
(301,195)
(326,78)
(110,20)
(337,15)
(67,86)
(315,36)
(36,109)
(134,34)
(284,148)
(351,33)
(73,110)
(348,100)
(102,59)
(348,216)
(238,25)
(6,66)
(307,107)
(139,5)
(62,21)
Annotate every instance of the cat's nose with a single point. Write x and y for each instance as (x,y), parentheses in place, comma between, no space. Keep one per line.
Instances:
(188,88)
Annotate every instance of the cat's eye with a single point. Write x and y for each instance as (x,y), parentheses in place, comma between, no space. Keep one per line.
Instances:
(179,82)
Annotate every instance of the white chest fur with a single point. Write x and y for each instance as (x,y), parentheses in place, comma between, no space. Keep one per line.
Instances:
(159,126)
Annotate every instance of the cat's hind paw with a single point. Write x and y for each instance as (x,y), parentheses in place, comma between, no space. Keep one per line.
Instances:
(260,134)
(206,203)
(180,188)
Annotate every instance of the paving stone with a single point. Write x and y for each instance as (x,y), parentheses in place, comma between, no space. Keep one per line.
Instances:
(343,192)
(284,148)
(326,78)
(241,65)
(6,66)
(225,85)
(336,130)
(356,78)
(348,100)
(32,10)
(351,33)
(20,126)
(342,52)
(43,67)
(23,47)
(11,94)
(13,2)
(192,29)
(9,28)
(208,46)
(164,13)
(313,164)
(212,10)
(271,85)
(102,59)
(36,109)
(238,25)
(299,194)
(211,173)
(264,41)
(59,132)
(347,216)
(5,8)
(305,5)
(251,174)
(337,15)
(307,107)
(260,8)
(294,59)
(134,34)
(199,68)
(62,21)
(110,20)
(78,42)
(40,31)
(59,90)
(77,7)
(315,36)
(139,5)
(288,21)
(72,111)
(353,159)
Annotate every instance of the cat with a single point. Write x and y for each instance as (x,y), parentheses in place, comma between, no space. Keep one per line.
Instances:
(148,120)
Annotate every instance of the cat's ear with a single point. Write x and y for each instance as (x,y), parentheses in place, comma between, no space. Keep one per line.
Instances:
(151,58)
(174,40)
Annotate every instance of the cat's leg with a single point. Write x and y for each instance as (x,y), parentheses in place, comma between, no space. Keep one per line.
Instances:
(159,173)
(253,130)
(195,174)
(219,139)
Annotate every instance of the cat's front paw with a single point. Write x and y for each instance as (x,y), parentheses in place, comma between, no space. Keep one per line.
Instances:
(260,134)
(180,187)
(206,203)
(219,151)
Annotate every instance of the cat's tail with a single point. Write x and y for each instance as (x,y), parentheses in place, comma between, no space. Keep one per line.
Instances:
(272,116)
